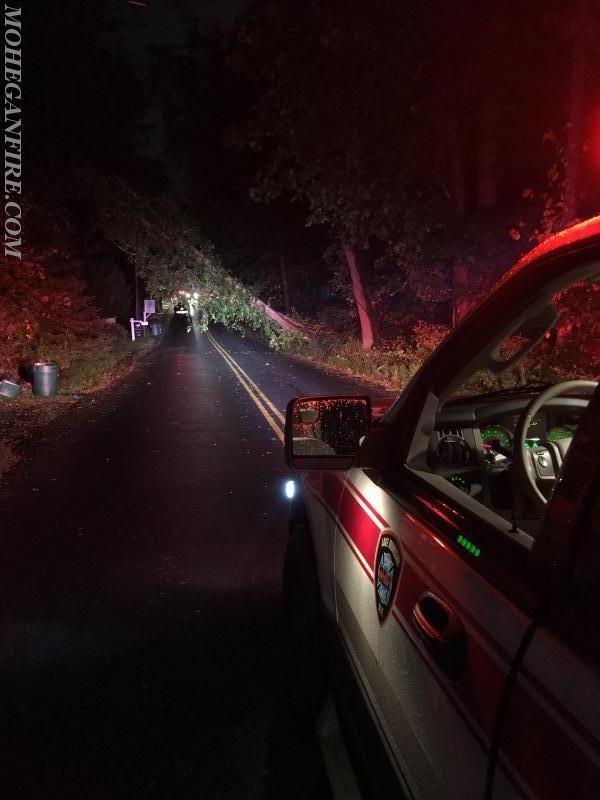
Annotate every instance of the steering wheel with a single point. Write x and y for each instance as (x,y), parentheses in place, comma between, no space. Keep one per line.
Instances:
(542,463)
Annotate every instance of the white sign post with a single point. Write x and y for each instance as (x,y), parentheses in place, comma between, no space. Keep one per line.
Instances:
(136,328)
(149,308)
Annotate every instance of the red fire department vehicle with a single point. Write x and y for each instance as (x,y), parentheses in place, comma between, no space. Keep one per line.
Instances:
(443,567)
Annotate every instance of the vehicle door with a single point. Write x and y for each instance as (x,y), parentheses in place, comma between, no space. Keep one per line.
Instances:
(434,595)
(432,606)
(432,601)
(550,736)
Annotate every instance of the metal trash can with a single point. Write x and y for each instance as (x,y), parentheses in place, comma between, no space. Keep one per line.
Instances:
(45,379)
(9,389)
(155,328)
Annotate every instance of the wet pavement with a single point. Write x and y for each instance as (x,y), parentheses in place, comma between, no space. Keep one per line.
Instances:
(142,637)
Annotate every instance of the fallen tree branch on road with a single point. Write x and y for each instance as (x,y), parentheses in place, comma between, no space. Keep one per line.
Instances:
(170,253)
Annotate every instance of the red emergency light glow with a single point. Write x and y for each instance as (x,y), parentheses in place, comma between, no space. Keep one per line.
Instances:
(596,140)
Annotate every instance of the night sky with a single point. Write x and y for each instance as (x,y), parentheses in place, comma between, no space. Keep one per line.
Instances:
(222,10)
(160,21)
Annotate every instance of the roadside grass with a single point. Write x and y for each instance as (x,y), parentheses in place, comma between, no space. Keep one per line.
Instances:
(347,356)
(93,366)
(390,364)
(97,366)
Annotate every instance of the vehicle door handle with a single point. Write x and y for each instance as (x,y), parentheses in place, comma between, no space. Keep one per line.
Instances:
(442,633)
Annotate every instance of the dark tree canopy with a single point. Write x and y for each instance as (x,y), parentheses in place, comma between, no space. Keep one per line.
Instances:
(387,158)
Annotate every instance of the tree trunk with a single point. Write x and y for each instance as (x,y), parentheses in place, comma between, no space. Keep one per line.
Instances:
(136,285)
(284,286)
(285,323)
(360,297)
(575,121)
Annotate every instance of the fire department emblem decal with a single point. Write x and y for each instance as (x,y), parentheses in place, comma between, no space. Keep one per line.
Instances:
(387,569)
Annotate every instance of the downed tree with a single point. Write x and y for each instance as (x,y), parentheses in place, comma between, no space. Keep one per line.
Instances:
(170,253)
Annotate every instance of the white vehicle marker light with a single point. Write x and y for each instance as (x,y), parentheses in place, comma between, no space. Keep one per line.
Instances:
(290,489)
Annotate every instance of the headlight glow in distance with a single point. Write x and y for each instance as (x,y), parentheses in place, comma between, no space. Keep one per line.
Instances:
(290,489)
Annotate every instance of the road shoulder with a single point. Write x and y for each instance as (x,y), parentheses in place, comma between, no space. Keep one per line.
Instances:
(28,418)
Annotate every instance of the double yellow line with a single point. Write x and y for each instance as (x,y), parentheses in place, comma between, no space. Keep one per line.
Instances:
(260,400)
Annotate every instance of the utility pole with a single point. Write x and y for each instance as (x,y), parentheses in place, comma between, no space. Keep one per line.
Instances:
(137,291)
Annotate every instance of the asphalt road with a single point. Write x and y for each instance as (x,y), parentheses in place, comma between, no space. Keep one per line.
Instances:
(142,636)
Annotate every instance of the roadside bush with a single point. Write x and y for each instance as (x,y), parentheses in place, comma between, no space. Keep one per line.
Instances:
(391,363)
(425,338)
(44,311)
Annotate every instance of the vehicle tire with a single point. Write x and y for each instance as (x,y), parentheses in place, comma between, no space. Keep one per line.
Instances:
(303,605)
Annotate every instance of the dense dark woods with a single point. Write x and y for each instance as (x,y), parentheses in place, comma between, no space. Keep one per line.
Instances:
(371,168)
(434,143)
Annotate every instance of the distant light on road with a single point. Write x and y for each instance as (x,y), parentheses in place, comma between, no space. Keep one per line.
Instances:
(290,489)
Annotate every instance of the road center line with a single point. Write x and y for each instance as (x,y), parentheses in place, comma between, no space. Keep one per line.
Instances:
(274,410)
(260,400)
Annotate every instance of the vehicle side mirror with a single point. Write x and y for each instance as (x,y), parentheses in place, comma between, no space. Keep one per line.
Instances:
(325,432)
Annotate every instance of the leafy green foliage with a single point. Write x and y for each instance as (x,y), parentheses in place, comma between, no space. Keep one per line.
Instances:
(171,254)
(225,302)
(166,248)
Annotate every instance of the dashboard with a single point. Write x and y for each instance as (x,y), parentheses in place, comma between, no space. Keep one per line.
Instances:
(472,445)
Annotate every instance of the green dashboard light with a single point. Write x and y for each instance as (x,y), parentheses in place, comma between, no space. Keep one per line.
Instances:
(460,482)
(559,432)
(469,546)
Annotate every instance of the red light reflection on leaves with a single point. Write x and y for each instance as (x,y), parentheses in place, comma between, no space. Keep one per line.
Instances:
(596,141)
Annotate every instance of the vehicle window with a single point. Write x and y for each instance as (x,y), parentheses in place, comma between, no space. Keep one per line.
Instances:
(569,349)
(475,443)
